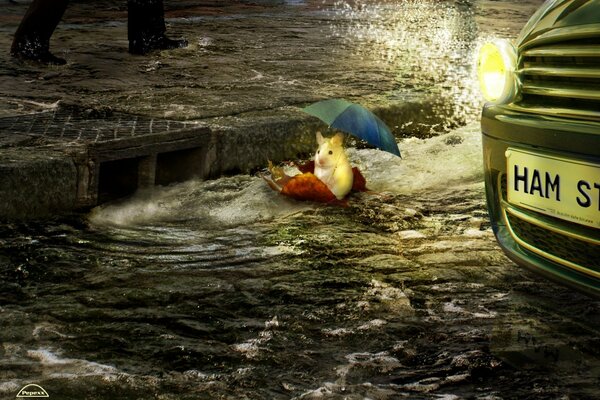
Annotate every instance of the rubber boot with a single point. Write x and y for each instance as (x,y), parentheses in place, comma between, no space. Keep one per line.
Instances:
(32,38)
(146,27)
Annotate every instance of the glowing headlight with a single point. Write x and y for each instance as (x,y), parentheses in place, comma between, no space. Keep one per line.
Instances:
(496,69)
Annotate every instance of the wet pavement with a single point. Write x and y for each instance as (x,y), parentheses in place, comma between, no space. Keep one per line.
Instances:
(247,72)
(264,56)
(225,289)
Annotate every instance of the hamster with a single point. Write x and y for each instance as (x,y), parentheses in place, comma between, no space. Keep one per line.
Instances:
(332,166)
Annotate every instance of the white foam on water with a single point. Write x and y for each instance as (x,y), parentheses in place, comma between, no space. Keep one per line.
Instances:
(375,323)
(338,332)
(251,347)
(382,295)
(439,162)
(382,361)
(327,389)
(50,364)
(448,160)
(10,387)
(447,397)
(410,235)
(485,315)
(44,330)
(229,201)
(451,307)
(194,374)
(56,367)
(341,332)
(336,390)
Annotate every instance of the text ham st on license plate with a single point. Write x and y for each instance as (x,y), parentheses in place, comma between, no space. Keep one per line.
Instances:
(562,188)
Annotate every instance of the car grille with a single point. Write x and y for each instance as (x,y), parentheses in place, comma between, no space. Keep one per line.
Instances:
(561,80)
(564,244)
(566,248)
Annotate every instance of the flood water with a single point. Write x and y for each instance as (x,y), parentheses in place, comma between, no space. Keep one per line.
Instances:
(223,289)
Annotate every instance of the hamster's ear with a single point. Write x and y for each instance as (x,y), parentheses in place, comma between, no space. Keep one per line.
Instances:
(320,139)
(338,139)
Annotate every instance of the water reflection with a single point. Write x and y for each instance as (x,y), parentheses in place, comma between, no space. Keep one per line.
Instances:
(430,46)
(223,289)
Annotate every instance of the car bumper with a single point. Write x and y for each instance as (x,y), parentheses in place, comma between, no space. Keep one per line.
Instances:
(560,250)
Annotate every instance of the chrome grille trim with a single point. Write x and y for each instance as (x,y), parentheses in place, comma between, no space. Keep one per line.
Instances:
(557,35)
(561,78)
(555,90)
(550,227)
(557,112)
(511,211)
(564,232)
(563,51)
(562,72)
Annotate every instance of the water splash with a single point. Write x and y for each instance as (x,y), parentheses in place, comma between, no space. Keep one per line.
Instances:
(430,45)
(452,158)
(229,201)
(241,200)
(58,367)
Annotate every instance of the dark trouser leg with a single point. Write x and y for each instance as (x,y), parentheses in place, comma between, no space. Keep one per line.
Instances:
(32,39)
(146,27)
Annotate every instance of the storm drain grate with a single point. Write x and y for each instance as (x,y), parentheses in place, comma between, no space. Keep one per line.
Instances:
(87,125)
(116,153)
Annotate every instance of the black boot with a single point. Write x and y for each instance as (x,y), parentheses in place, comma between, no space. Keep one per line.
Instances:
(32,39)
(146,27)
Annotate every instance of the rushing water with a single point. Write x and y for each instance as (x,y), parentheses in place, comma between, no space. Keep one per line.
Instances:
(225,289)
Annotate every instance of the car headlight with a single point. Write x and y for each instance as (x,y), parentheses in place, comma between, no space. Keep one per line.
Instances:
(496,68)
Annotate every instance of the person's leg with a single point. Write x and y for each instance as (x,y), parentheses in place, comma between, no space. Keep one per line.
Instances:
(146,27)
(32,38)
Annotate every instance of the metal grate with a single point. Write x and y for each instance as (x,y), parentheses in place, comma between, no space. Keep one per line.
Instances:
(562,79)
(504,187)
(74,124)
(563,246)
(567,248)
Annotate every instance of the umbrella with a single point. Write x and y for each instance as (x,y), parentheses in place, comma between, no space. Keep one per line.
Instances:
(355,120)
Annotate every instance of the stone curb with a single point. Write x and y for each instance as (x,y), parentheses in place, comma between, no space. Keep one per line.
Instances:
(42,180)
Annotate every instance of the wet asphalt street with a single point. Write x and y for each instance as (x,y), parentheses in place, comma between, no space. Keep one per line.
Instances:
(223,289)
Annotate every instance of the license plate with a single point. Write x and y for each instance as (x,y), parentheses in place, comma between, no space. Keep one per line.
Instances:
(563,188)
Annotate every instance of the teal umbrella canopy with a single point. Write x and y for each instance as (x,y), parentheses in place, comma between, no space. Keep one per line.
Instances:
(356,120)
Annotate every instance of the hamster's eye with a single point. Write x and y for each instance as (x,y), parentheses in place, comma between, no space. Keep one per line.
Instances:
(318,151)
(330,152)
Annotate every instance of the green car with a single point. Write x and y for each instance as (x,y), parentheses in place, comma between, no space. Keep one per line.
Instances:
(541,142)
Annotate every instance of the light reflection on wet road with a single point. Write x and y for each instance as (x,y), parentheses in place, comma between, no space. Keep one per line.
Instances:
(224,289)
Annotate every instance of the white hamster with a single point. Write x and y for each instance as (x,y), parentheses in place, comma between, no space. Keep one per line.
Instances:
(332,166)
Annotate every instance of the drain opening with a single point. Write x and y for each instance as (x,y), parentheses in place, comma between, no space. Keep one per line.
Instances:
(121,178)
(179,166)
(118,178)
